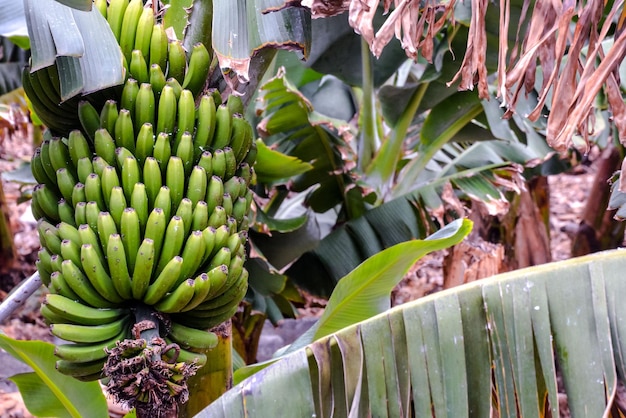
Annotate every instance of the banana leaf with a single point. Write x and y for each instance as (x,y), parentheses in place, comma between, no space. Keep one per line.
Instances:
(500,343)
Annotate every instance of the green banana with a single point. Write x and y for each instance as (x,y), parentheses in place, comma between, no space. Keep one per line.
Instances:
(209,234)
(200,216)
(139,201)
(235,105)
(152,179)
(79,212)
(163,200)
(175,179)
(70,251)
(115,16)
(143,32)
(129,95)
(157,80)
(89,118)
(227,204)
(197,187)
(142,272)
(125,131)
(167,110)
(162,150)
(108,181)
(45,160)
(192,254)
(59,286)
(215,193)
(164,281)
(158,46)
(131,235)
(217,278)
(155,229)
(219,163)
(68,231)
(206,162)
(177,60)
(139,68)
(78,146)
(108,115)
(130,176)
(80,284)
(218,216)
(128,30)
(231,163)
(185,212)
(201,287)
(47,200)
(85,353)
(39,172)
(177,299)
(117,204)
(105,146)
(93,190)
(186,115)
(90,236)
(234,186)
(222,256)
(145,106)
(173,242)
(101,5)
(205,124)
(98,164)
(83,169)
(197,69)
(184,150)
(66,183)
(223,127)
(182,355)
(79,313)
(60,155)
(118,268)
(145,142)
(106,227)
(173,83)
(191,338)
(89,333)
(88,371)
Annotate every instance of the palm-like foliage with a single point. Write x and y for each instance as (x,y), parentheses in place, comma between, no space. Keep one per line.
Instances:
(498,343)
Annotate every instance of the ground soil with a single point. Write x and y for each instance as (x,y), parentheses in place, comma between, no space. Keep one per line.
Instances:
(567,199)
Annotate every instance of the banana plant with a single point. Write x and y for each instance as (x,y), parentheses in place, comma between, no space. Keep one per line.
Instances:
(498,344)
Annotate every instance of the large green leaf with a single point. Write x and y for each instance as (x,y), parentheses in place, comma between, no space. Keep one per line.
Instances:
(494,343)
(47,392)
(91,57)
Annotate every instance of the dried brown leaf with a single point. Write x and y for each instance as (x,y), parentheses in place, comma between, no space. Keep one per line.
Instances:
(326,8)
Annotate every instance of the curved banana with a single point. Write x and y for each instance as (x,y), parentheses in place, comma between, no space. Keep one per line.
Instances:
(198,69)
(118,267)
(79,313)
(89,333)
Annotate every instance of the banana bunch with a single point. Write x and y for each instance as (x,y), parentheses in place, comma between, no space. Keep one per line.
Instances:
(131,215)
(150,55)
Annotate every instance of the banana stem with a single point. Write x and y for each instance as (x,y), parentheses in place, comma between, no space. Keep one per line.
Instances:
(18,296)
(214,378)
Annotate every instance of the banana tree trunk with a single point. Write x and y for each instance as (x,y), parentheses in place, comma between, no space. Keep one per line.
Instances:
(7,247)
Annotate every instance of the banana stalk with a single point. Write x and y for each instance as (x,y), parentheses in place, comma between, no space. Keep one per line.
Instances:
(215,378)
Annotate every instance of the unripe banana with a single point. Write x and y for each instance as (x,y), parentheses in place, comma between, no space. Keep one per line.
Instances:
(142,273)
(174,84)
(56,262)
(108,115)
(145,107)
(185,212)
(78,146)
(177,60)
(164,281)
(200,216)
(157,80)
(85,353)
(129,95)
(235,105)
(205,124)
(192,255)
(197,187)
(231,163)
(139,68)
(117,204)
(83,169)
(130,176)
(93,190)
(175,180)
(184,151)
(79,313)
(182,355)
(218,217)
(89,333)
(144,31)
(118,268)
(106,227)
(108,181)
(201,287)
(47,200)
(219,163)
(209,235)
(173,242)
(177,299)
(79,211)
(89,118)
(101,5)
(81,285)
(222,256)
(152,179)
(66,212)
(89,236)
(131,235)
(167,110)
(91,212)
(125,131)
(98,164)
(105,146)
(129,27)
(191,338)
(145,142)
(162,150)
(45,161)
(164,201)
(115,16)
(158,46)
(58,286)
(241,137)
(60,155)
(87,372)
(66,183)
(198,69)
(206,162)
(227,204)
(70,251)
(155,228)
(217,278)
(121,153)
(215,193)
(223,127)
(186,115)
(38,171)
(139,201)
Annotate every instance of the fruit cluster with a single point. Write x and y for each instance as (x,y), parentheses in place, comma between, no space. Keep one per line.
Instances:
(146,202)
